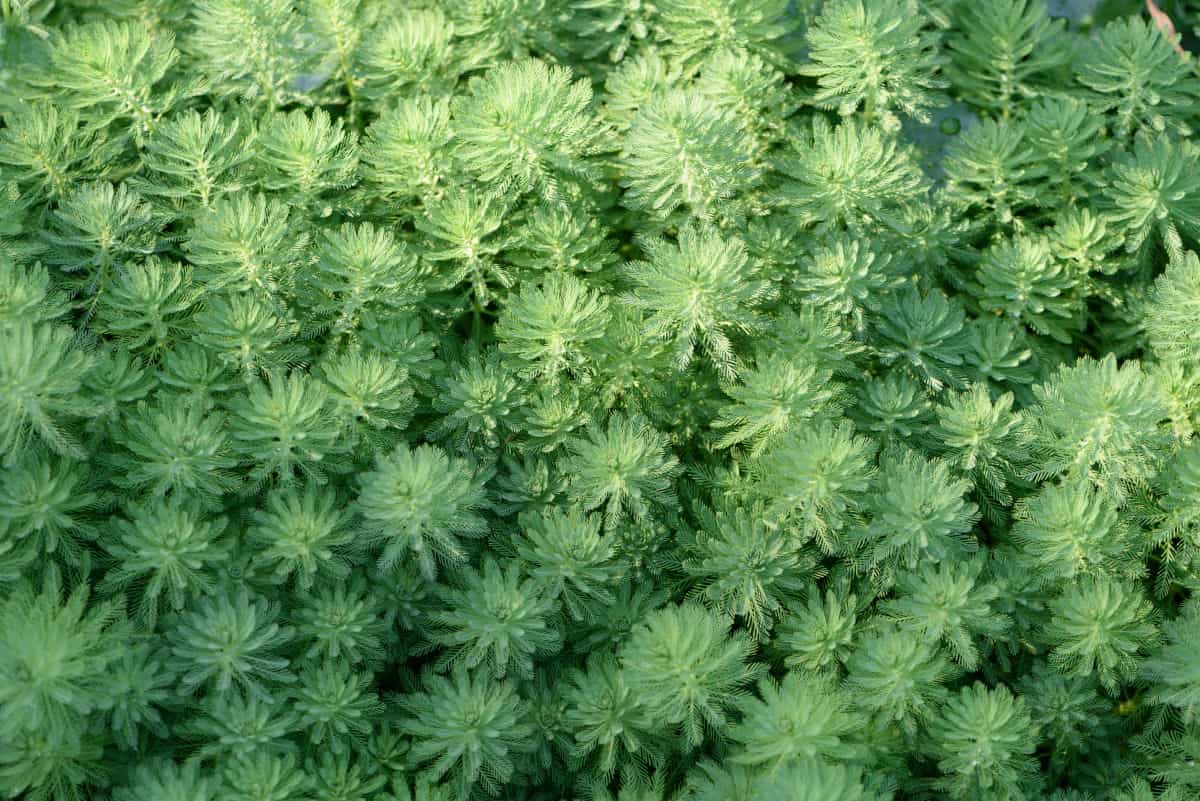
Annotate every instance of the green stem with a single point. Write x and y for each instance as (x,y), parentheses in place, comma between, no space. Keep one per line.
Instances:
(476,319)
(349,80)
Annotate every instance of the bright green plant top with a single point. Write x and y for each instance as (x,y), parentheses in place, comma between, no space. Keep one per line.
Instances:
(599,400)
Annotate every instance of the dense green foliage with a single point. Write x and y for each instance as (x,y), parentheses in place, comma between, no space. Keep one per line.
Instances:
(614,400)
